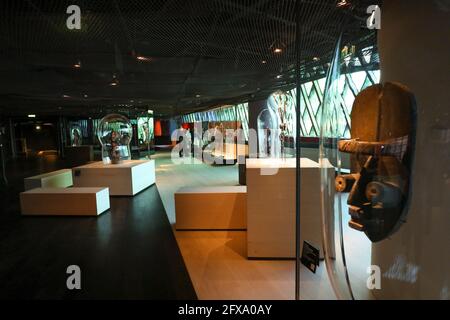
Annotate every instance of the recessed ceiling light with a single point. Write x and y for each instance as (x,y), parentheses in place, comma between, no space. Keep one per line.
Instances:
(77,64)
(38,127)
(263,61)
(31,116)
(114,82)
(85,96)
(343,3)
(277,46)
(316,58)
(143,58)
(279,76)
(65,96)
(197,96)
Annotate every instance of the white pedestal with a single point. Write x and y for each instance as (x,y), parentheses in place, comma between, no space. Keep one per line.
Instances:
(64,202)
(271,207)
(124,179)
(211,208)
(55,179)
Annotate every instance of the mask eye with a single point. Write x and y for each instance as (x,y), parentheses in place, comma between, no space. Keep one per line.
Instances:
(384,194)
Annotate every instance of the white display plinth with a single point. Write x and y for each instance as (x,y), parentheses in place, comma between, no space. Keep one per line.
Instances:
(124,179)
(55,179)
(64,201)
(271,206)
(211,208)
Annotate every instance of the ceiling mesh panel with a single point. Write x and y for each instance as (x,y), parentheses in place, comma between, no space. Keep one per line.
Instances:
(199,53)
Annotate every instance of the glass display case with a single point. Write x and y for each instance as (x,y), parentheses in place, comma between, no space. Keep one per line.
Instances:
(384,212)
(114,133)
(76,137)
(145,133)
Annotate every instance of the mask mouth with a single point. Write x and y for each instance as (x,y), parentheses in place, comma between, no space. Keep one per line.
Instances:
(357,221)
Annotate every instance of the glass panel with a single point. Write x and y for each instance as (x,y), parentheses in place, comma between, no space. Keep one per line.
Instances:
(358,79)
(384,208)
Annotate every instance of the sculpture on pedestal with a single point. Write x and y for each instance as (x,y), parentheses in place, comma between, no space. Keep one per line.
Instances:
(76,137)
(281,99)
(272,126)
(114,133)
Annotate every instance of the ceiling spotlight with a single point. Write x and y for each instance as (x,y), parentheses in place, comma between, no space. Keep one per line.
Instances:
(77,65)
(114,82)
(65,96)
(143,58)
(316,59)
(277,46)
(263,61)
(197,96)
(38,127)
(85,95)
(31,116)
(279,76)
(343,3)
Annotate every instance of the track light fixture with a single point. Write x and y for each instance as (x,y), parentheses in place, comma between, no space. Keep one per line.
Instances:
(77,65)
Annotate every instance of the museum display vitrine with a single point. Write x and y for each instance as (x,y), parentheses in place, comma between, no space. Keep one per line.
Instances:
(390,211)
(114,133)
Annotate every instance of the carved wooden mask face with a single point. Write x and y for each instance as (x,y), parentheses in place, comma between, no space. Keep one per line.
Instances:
(382,138)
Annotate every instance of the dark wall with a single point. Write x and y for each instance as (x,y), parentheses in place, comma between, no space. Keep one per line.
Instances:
(37,139)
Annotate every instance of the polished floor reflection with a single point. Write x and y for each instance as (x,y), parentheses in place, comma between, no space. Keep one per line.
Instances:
(217,260)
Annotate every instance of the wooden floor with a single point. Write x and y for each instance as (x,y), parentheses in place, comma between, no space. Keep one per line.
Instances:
(216,260)
(131,252)
(128,252)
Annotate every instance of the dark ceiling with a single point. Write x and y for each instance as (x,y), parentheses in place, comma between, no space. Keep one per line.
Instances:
(196,53)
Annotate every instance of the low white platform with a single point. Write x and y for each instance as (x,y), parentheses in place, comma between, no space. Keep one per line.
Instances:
(271,206)
(211,208)
(55,179)
(64,202)
(124,179)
